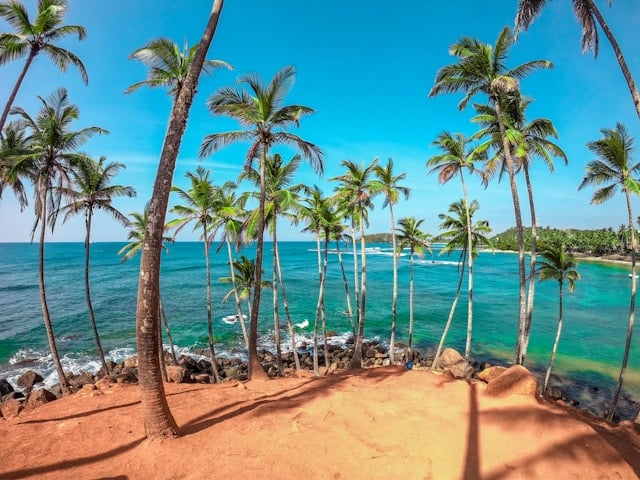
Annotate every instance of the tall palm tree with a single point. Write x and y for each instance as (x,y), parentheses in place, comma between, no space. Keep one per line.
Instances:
(137,227)
(91,190)
(391,189)
(200,204)
(481,69)
(261,109)
(158,420)
(12,143)
(613,169)
(456,231)
(52,151)
(412,237)
(31,39)
(457,154)
(587,14)
(527,140)
(355,193)
(168,65)
(558,265)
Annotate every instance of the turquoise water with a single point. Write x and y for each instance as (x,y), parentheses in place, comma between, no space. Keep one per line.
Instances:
(589,354)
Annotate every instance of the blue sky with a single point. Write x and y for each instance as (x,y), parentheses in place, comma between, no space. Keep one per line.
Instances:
(366,68)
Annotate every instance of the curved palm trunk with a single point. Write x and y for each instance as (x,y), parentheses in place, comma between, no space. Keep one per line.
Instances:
(87,252)
(212,349)
(533,261)
(323,311)
(165,321)
(64,385)
(158,421)
(394,303)
(555,343)
(356,281)
(522,312)
(346,288)
(356,360)
(434,364)
(163,365)
(467,348)
(635,96)
(411,305)
(16,87)
(316,323)
(627,345)
(255,369)
(285,303)
(276,316)
(237,296)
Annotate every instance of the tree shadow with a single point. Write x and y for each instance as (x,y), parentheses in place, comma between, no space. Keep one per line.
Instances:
(81,414)
(472,455)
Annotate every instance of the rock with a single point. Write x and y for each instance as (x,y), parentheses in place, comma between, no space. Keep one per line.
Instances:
(131,362)
(449,357)
(11,408)
(126,378)
(40,397)
(516,380)
(76,381)
(13,396)
(201,378)
(104,383)
(491,372)
(88,390)
(28,379)
(554,393)
(460,370)
(176,373)
(5,387)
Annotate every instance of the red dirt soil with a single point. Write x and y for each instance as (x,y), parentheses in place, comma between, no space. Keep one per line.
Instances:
(376,424)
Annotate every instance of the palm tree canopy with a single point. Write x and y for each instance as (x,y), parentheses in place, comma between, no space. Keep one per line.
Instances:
(614,166)
(390,184)
(39,36)
(245,270)
(456,154)
(168,65)
(137,227)
(12,144)
(357,189)
(261,109)
(412,237)
(558,265)
(455,226)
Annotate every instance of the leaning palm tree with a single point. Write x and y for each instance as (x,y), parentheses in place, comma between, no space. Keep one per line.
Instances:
(481,69)
(261,109)
(412,237)
(31,39)
(91,190)
(168,65)
(455,226)
(158,420)
(199,207)
(558,265)
(587,14)
(391,189)
(52,151)
(613,169)
(355,193)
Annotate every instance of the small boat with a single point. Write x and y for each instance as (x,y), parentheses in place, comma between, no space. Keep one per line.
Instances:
(303,324)
(637,276)
(231,319)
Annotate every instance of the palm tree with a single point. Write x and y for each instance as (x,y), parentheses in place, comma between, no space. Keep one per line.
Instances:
(587,14)
(390,187)
(412,237)
(91,190)
(458,155)
(481,69)
(355,194)
(52,151)
(614,169)
(261,109)
(527,140)
(31,39)
(200,203)
(137,227)
(158,420)
(557,265)
(456,231)
(12,144)
(168,66)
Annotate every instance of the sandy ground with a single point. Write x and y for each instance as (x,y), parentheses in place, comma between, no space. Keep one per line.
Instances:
(371,424)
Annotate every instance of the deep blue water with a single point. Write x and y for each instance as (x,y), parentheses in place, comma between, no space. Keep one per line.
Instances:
(589,356)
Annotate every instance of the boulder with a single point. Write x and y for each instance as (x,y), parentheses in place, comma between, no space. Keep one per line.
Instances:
(491,372)
(40,397)
(449,357)
(127,377)
(13,396)
(461,370)
(516,380)
(131,362)
(5,387)
(28,379)
(104,383)
(176,374)
(76,381)
(11,408)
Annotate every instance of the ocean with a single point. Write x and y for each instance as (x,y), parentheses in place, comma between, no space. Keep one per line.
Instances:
(586,367)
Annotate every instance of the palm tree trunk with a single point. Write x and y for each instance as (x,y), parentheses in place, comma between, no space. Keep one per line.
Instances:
(411,306)
(285,303)
(212,349)
(346,288)
(356,281)
(236,296)
(394,302)
(325,263)
(533,261)
(356,360)
(169,337)
(635,96)
(87,250)
(316,322)
(64,385)
(16,87)
(276,317)
(158,421)
(627,346)
(467,348)
(522,312)
(555,344)
(163,365)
